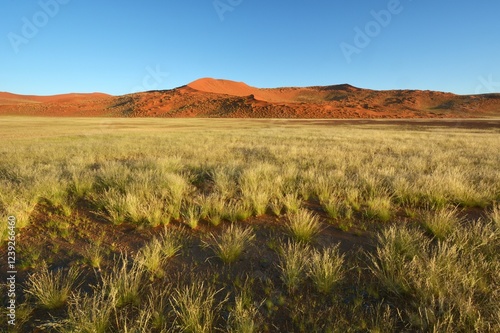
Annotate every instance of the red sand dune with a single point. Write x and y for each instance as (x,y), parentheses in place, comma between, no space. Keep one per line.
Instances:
(14,99)
(223,98)
(222,87)
(233,88)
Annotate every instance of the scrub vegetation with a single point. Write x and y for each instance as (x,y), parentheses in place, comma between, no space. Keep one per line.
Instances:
(207,225)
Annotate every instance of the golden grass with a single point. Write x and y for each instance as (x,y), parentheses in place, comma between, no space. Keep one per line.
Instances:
(231,243)
(439,275)
(51,289)
(142,170)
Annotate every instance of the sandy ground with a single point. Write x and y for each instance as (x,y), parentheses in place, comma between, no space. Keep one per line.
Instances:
(228,99)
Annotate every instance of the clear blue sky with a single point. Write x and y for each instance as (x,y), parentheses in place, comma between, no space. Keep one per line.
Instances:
(114,46)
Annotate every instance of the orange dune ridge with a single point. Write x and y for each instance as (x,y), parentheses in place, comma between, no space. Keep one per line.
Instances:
(208,97)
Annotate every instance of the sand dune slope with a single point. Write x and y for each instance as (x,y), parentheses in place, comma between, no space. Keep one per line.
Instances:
(209,97)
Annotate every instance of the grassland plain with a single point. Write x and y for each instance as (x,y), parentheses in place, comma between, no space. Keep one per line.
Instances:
(124,225)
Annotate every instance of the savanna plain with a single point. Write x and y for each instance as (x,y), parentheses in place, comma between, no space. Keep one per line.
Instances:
(239,225)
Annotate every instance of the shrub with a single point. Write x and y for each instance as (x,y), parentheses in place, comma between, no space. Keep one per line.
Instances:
(191,215)
(237,211)
(94,254)
(157,305)
(293,264)
(243,316)
(332,207)
(170,242)
(90,313)
(441,222)
(379,208)
(292,202)
(232,242)
(177,187)
(397,250)
(115,206)
(212,208)
(224,179)
(276,206)
(303,225)
(195,307)
(125,281)
(326,268)
(51,289)
(152,259)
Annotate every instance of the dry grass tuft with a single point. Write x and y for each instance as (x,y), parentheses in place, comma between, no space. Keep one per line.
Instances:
(303,225)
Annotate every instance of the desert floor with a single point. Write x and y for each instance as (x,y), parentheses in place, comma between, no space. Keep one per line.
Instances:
(250,225)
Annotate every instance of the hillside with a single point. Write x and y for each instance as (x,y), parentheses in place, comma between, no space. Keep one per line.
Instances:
(223,98)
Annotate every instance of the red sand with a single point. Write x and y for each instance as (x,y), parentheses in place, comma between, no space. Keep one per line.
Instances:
(222,87)
(13,99)
(223,98)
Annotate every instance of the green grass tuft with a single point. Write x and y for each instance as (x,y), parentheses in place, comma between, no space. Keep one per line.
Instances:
(326,268)
(440,222)
(231,243)
(51,289)
(303,225)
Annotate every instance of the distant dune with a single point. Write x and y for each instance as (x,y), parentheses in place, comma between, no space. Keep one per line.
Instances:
(226,87)
(13,99)
(209,97)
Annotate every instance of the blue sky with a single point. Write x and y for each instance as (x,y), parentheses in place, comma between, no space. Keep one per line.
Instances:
(118,47)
